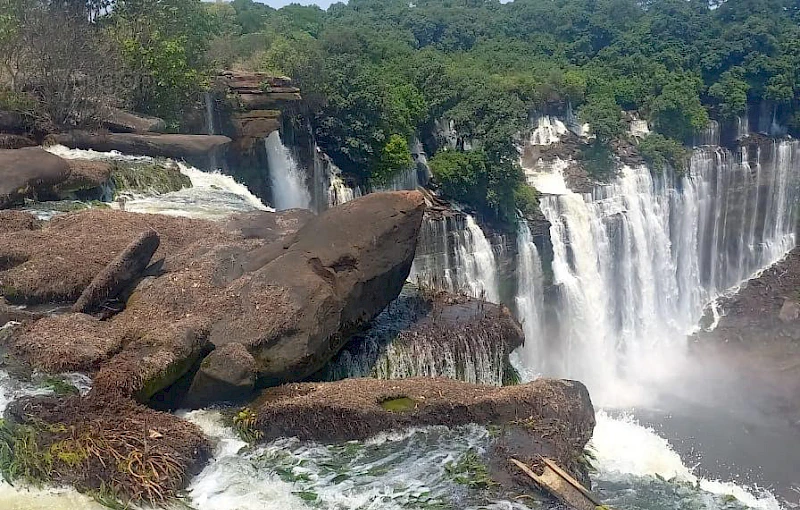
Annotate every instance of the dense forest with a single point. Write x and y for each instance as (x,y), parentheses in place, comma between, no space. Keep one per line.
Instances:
(376,73)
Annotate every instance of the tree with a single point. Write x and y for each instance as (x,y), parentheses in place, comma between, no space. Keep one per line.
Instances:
(677,111)
(163,46)
(394,158)
(730,94)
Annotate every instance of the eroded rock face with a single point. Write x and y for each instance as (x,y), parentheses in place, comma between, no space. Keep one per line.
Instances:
(226,375)
(85,176)
(28,171)
(432,334)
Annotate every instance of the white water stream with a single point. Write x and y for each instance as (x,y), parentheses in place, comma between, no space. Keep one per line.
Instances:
(289,187)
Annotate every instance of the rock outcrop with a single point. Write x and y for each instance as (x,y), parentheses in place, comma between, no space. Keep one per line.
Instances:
(121,121)
(554,418)
(28,171)
(130,452)
(202,151)
(290,299)
(57,262)
(758,334)
(119,273)
(226,375)
(86,178)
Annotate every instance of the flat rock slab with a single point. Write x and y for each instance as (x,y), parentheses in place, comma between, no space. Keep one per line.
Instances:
(57,262)
(360,408)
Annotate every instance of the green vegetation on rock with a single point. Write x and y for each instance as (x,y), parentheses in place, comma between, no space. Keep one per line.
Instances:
(156,177)
(399,404)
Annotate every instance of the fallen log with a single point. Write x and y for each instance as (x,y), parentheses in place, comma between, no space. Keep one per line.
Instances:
(561,485)
(119,273)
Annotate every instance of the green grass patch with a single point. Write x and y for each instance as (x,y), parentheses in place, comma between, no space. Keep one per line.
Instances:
(398,405)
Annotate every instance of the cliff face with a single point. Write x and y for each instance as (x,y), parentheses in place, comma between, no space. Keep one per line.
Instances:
(248,107)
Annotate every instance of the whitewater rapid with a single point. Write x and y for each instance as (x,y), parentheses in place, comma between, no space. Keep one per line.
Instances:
(212,196)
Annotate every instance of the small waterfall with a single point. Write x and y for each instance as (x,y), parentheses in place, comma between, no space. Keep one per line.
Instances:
(548,131)
(404,180)
(639,128)
(289,188)
(340,193)
(453,254)
(742,127)
(530,297)
(637,261)
(208,99)
(708,136)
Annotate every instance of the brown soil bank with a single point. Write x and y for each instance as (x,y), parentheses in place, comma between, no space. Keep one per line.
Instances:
(548,417)
(119,448)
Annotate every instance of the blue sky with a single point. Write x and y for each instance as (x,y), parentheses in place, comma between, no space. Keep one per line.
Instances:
(280,3)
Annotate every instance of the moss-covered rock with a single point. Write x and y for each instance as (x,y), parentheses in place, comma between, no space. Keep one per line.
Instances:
(157,177)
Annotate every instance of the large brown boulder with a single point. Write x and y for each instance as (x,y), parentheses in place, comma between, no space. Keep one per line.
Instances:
(346,266)
(28,171)
(85,175)
(203,151)
(292,302)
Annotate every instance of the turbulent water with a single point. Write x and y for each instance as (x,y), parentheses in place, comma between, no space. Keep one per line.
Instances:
(212,195)
(289,187)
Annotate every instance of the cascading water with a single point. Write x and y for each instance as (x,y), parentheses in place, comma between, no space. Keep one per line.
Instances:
(208,100)
(212,196)
(637,261)
(529,300)
(289,187)
(454,254)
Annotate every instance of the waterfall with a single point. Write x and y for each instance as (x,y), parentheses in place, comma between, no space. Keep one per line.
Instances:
(289,189)
(708,136)
(547,131)
(742,127)
(530,297)
(208,99)
(453,254)
(636,261)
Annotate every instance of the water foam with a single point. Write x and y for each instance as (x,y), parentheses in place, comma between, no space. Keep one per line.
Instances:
(629,453)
